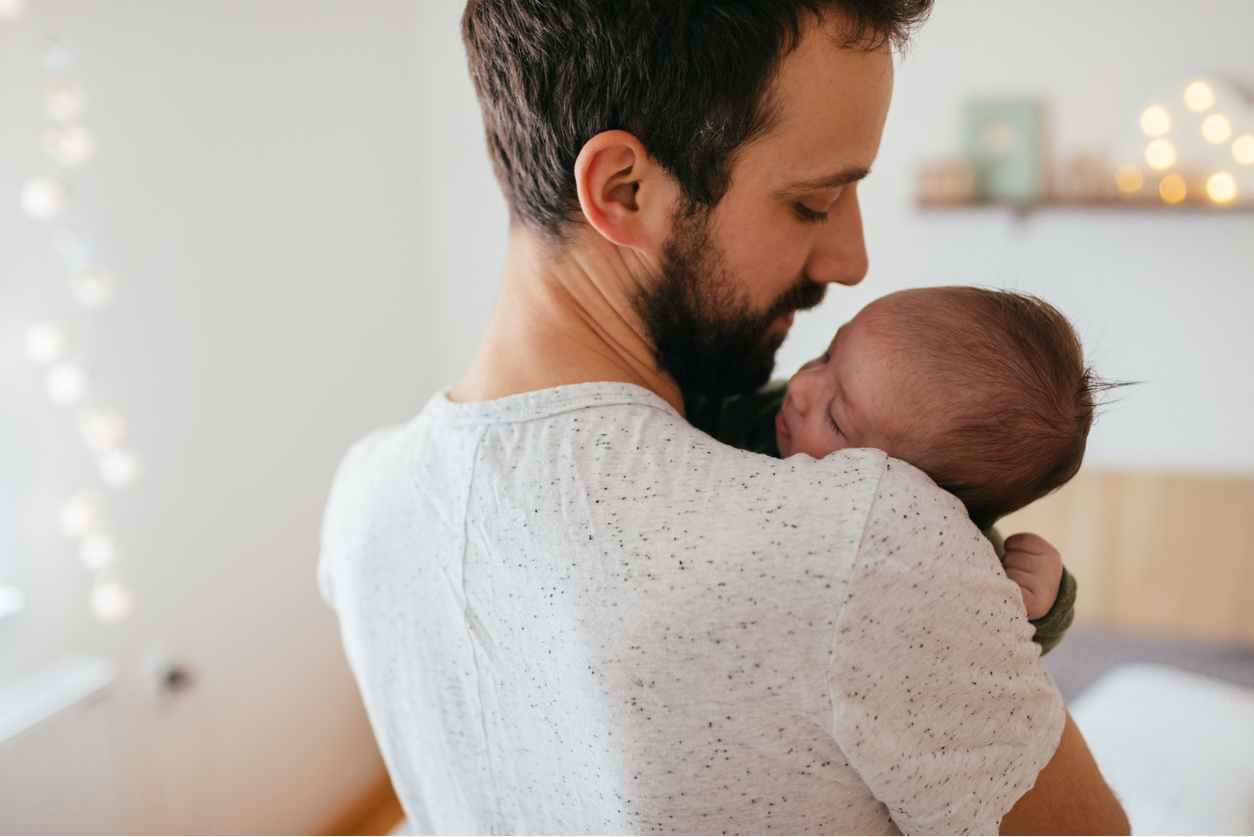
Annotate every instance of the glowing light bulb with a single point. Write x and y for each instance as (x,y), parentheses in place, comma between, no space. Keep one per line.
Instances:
(46,342)
(80,515)
(63,99)
(1221,187)
(118,468)
(97,550)
(1155,121)
(102,429)
(111,601)
(43,198)
(1216,128)
(1243,150)
(1199,96)
(1160,154)
(12,9)
(92,287)
(1129,178)
(71,146)
(1173,189)
(67,383)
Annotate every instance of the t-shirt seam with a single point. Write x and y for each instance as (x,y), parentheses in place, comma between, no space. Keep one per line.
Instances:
(465,548)
(831,654)
(582,402)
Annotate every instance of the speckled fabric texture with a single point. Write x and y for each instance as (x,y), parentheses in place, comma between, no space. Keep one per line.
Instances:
(570,612)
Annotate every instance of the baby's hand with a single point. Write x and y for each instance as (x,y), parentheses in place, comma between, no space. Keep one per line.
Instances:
(1034,564)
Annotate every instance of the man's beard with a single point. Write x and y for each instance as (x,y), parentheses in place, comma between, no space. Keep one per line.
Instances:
(704,335)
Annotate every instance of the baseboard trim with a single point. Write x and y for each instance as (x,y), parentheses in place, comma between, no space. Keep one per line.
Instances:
(375,811)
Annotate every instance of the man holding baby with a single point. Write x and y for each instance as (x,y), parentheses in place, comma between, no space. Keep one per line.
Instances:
(569,610)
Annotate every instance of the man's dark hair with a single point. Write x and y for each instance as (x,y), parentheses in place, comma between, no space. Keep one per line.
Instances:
(691,79)
(1019,398)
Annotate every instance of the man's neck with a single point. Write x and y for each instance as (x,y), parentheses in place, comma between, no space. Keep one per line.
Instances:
(565,317)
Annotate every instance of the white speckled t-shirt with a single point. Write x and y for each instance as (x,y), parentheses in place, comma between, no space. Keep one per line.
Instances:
(570,612)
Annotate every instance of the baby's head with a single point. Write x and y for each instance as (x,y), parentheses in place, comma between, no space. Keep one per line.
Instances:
(985,391)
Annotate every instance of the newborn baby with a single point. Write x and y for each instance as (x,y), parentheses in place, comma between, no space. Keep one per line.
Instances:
(985,391)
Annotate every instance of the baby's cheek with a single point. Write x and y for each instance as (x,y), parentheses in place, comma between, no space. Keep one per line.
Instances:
(784,445)
(818,447)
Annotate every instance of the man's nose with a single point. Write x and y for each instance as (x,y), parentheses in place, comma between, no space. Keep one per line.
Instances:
(839,253)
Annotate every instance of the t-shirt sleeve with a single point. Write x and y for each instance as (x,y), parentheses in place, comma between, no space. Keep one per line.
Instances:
(939,699)
(1051,627)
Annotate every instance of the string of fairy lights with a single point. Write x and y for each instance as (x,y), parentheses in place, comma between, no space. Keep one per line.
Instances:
(1198,146)
(57,347)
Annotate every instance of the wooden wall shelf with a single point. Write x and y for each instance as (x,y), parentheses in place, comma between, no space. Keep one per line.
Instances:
(1123,206)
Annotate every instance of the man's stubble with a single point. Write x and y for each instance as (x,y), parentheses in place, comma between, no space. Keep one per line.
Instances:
(704,334)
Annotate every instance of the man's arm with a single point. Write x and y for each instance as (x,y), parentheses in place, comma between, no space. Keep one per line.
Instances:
(1069,797)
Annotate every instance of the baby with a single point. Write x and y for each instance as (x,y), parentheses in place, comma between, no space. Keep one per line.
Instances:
(985,391)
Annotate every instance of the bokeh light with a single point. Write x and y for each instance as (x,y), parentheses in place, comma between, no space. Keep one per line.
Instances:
(77,250)
(1173,189)
(1129,178)
(12,600)
(1160,154)
(92,287)
(63,99)
(1199,96)
(102,429)
(1222,187)
(67,383)
(46,342)
(111,601)
(97,550)
(80,515)
(1216,128)
(71,146)
(118,468)
(12,9)
(56,54)
(43,198)
(1155,121)
(1243,150)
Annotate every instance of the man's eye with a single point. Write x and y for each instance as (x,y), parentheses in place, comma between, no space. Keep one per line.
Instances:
(812,215)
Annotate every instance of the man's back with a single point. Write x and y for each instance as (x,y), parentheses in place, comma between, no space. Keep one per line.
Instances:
(569,611)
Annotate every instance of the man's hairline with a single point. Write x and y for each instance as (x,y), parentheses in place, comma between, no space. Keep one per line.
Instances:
(773,113)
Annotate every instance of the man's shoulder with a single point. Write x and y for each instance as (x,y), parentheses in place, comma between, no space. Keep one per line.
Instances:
(912,516)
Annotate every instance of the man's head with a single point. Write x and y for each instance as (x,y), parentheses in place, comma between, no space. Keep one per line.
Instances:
(719,142)
(986,391)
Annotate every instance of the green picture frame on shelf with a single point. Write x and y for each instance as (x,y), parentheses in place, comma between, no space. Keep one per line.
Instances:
(1004,145)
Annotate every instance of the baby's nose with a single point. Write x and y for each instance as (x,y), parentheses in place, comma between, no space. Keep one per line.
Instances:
(799,390)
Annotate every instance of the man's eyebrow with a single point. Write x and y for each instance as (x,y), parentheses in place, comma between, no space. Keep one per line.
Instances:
(831,181)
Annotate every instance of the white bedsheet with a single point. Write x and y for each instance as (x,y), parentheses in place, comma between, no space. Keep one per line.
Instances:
(1177,748)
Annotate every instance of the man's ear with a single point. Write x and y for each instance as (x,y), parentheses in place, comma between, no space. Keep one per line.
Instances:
(624,194)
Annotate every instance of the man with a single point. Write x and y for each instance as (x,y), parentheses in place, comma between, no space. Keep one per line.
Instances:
(567,609)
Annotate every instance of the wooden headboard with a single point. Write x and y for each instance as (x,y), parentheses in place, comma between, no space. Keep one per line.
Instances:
(1161,553)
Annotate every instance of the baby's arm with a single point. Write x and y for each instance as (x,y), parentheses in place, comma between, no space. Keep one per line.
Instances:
(1031,552)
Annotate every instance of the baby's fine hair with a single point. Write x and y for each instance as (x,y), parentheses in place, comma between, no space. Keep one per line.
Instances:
(1018,397)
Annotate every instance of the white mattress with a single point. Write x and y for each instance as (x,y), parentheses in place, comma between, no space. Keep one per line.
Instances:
(1177,748)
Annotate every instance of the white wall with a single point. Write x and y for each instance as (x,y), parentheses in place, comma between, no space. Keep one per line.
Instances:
(259,195)
(1159,298)
(295,198)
